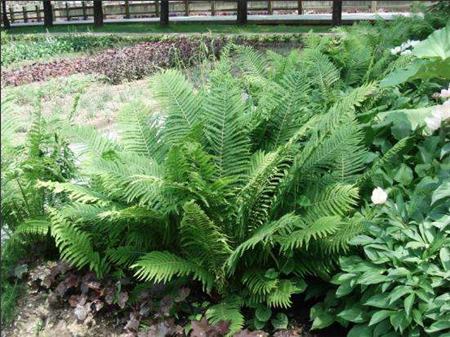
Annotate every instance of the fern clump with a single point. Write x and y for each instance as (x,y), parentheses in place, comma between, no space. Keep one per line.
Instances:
(246,184)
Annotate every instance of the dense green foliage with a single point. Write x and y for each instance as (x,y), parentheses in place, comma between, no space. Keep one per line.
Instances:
(256,178)
(41,155)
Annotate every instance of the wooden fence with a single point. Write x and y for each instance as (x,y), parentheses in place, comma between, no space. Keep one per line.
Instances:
(64,11)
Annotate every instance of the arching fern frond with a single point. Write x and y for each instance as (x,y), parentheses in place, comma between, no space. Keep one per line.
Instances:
(228,311)
(180,103)
(162,266)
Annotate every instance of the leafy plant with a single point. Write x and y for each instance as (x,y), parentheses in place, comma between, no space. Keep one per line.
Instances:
(432,60)
(400,283)
(219,189)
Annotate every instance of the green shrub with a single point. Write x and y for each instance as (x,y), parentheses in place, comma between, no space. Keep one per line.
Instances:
(400,286)
(245,192)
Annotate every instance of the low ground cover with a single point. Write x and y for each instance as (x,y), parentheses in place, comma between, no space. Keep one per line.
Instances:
(248,186)
(173,28)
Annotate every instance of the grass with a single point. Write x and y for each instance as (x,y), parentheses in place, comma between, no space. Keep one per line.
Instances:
(172,28)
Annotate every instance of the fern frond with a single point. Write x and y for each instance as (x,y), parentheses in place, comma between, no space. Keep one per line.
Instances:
(225,130)
(90,139)
(38,227)
(280,297)
(74,192)
(201,239)
(252,62)
(260,236)
(321,228)
(258,283)
(179,101)
(162,266)
(336,199)
(139,131)
(228,311)
(75,245)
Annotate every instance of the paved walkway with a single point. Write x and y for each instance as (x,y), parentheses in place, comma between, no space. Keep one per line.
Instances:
(231,19)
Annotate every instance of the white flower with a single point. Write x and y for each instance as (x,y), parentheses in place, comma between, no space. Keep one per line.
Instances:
(244,96)
(440,114)
(434,121)
(396,50)
(406,52)
(379,196)
(445,93)
(413,43)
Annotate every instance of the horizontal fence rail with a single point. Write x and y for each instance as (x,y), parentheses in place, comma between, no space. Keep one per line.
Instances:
(83,10)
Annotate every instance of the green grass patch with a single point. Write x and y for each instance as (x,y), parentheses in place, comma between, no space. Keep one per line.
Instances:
(172,28)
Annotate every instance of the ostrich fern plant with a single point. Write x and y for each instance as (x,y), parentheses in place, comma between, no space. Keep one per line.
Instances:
(246,184)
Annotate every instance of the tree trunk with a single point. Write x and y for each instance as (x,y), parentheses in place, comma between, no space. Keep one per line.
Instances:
(242,12)
(98,13)
(337,13)
(164,13)
(48,14)
(5,19)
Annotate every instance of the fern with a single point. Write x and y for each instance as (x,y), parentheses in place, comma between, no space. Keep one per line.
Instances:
(163,266)
(177,96)
(227,311)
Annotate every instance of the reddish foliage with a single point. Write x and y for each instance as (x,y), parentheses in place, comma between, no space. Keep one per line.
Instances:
(129,63)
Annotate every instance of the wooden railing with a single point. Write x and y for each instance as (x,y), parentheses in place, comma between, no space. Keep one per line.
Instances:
(62,11)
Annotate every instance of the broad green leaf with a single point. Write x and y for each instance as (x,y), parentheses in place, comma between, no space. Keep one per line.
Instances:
(263,313)
(378,301)
(360,331)
(438,326)
(404,175)
(435,45)
(354,314)
(399,321)
(280,321)
(408,303)
(444,254)
(379,316)
(322,318)
(441,192)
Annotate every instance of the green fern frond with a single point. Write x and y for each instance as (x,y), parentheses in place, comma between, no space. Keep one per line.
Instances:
(258,283)
(138,132)
(90,139)
(75,192)
(228,311)
(321,228)
(124,256)
(281,297)
(261,236)
(224,110)
(38,227)
(201,239)
(252,62)
(179,101)
(75,245)
(336,199)
(163,266)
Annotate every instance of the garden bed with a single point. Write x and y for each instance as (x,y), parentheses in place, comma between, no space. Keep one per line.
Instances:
(235,191)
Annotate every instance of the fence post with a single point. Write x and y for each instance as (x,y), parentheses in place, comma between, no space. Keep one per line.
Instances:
(127,10)
(242,12)
(83,8)
(48,13)
(11,14)
(98,13)
(156,7)
(269,7)
(38,13)
(5,19)
(25,14)
(67,11)
(337,13)
(186,7)
(164,13)
(373,6)
(213,7)
(300,7)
